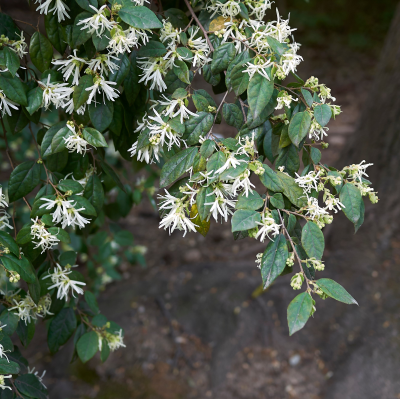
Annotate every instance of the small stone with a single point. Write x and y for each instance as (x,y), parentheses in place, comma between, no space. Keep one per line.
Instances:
(294,360)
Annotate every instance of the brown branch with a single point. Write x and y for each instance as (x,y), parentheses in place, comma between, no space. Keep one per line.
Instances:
(199,24)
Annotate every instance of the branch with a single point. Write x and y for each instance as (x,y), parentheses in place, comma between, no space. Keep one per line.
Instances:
(199,24)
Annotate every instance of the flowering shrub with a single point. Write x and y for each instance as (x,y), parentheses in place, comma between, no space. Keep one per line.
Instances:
(116,78)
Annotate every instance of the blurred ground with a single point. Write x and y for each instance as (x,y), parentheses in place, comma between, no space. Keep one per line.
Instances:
(192,328)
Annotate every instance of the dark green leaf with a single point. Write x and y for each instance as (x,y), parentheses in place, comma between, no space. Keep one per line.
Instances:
(92,302)
(289,158)
(87,346)
(361,219)
(94,192)
(273,260)
(121,73)
(323,114)
(58,142)
(207,148)
(294,193)
(245,220)
(197,126)
(139,17)
(70,185)
(24,178)
(312,240)
(278,47)
(62,235)
(10,320)
(8,367)
(335,291)
(270,179)
(79,35)
(45,149)
(176,166)
(181,70)
(81,95)
(351,198)
(82,202)
(94,138)
(11,60)
(252,202)
(308,97)
(55,32)
(277,201)
(40,51)
(259,93)
(110,172)
(299,127)
(29,385)
(61,328)
(8,242)
(152,49)
(222,56)
(216,161)
(232,115)
(177,18)
(14,90)
(35,100)
(204,197)
(101,114)
(299,311)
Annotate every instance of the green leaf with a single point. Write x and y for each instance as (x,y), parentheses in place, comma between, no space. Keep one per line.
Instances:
(94,138)
(70,185)
(45,148)
(8,27)
(351,198)
(8,367)
(360,221)
(277,201)
(273,260)
(40,51)
(8,242)
(152,49)
(278,47)
(81,95)
(62,235)
(22,266)
(239,80)
(58,142)
(139,17)
(197,126)
(79,35)
(177,18)
(87,346)
(270,179)
(245,220)
(100,43)
(232,115)
(259,93)
(299,311)
(24,236)
(222,56)
(26,332)
(312,240)
(252,202)
(92,302)
(181,70)
(85,4)
(200,102)
(299,127)
(101,114)
(323,114)
(216,161)
(284,140)
(121,73)
(207,148)
(68,258)
(94,193)
(124,238)
(308,97)
(204,197)
(335,291)
(14,90)
(29,385)
(61,328)
(24,178)
(110,172)
(10,319)
(81,202)
(176,166)
(289,158)
(55,32)
(11,60)
(35,100)
(291,190)
(315,155)
(209,77)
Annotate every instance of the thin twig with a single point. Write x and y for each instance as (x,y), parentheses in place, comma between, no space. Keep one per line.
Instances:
(242,106)
(199,24)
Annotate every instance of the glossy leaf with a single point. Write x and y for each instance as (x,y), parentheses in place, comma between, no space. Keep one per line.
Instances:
(244,220)
(313,240)
(139,17)
(335,291)
(24,178)
(273,260)
(40,51)
(299,311)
